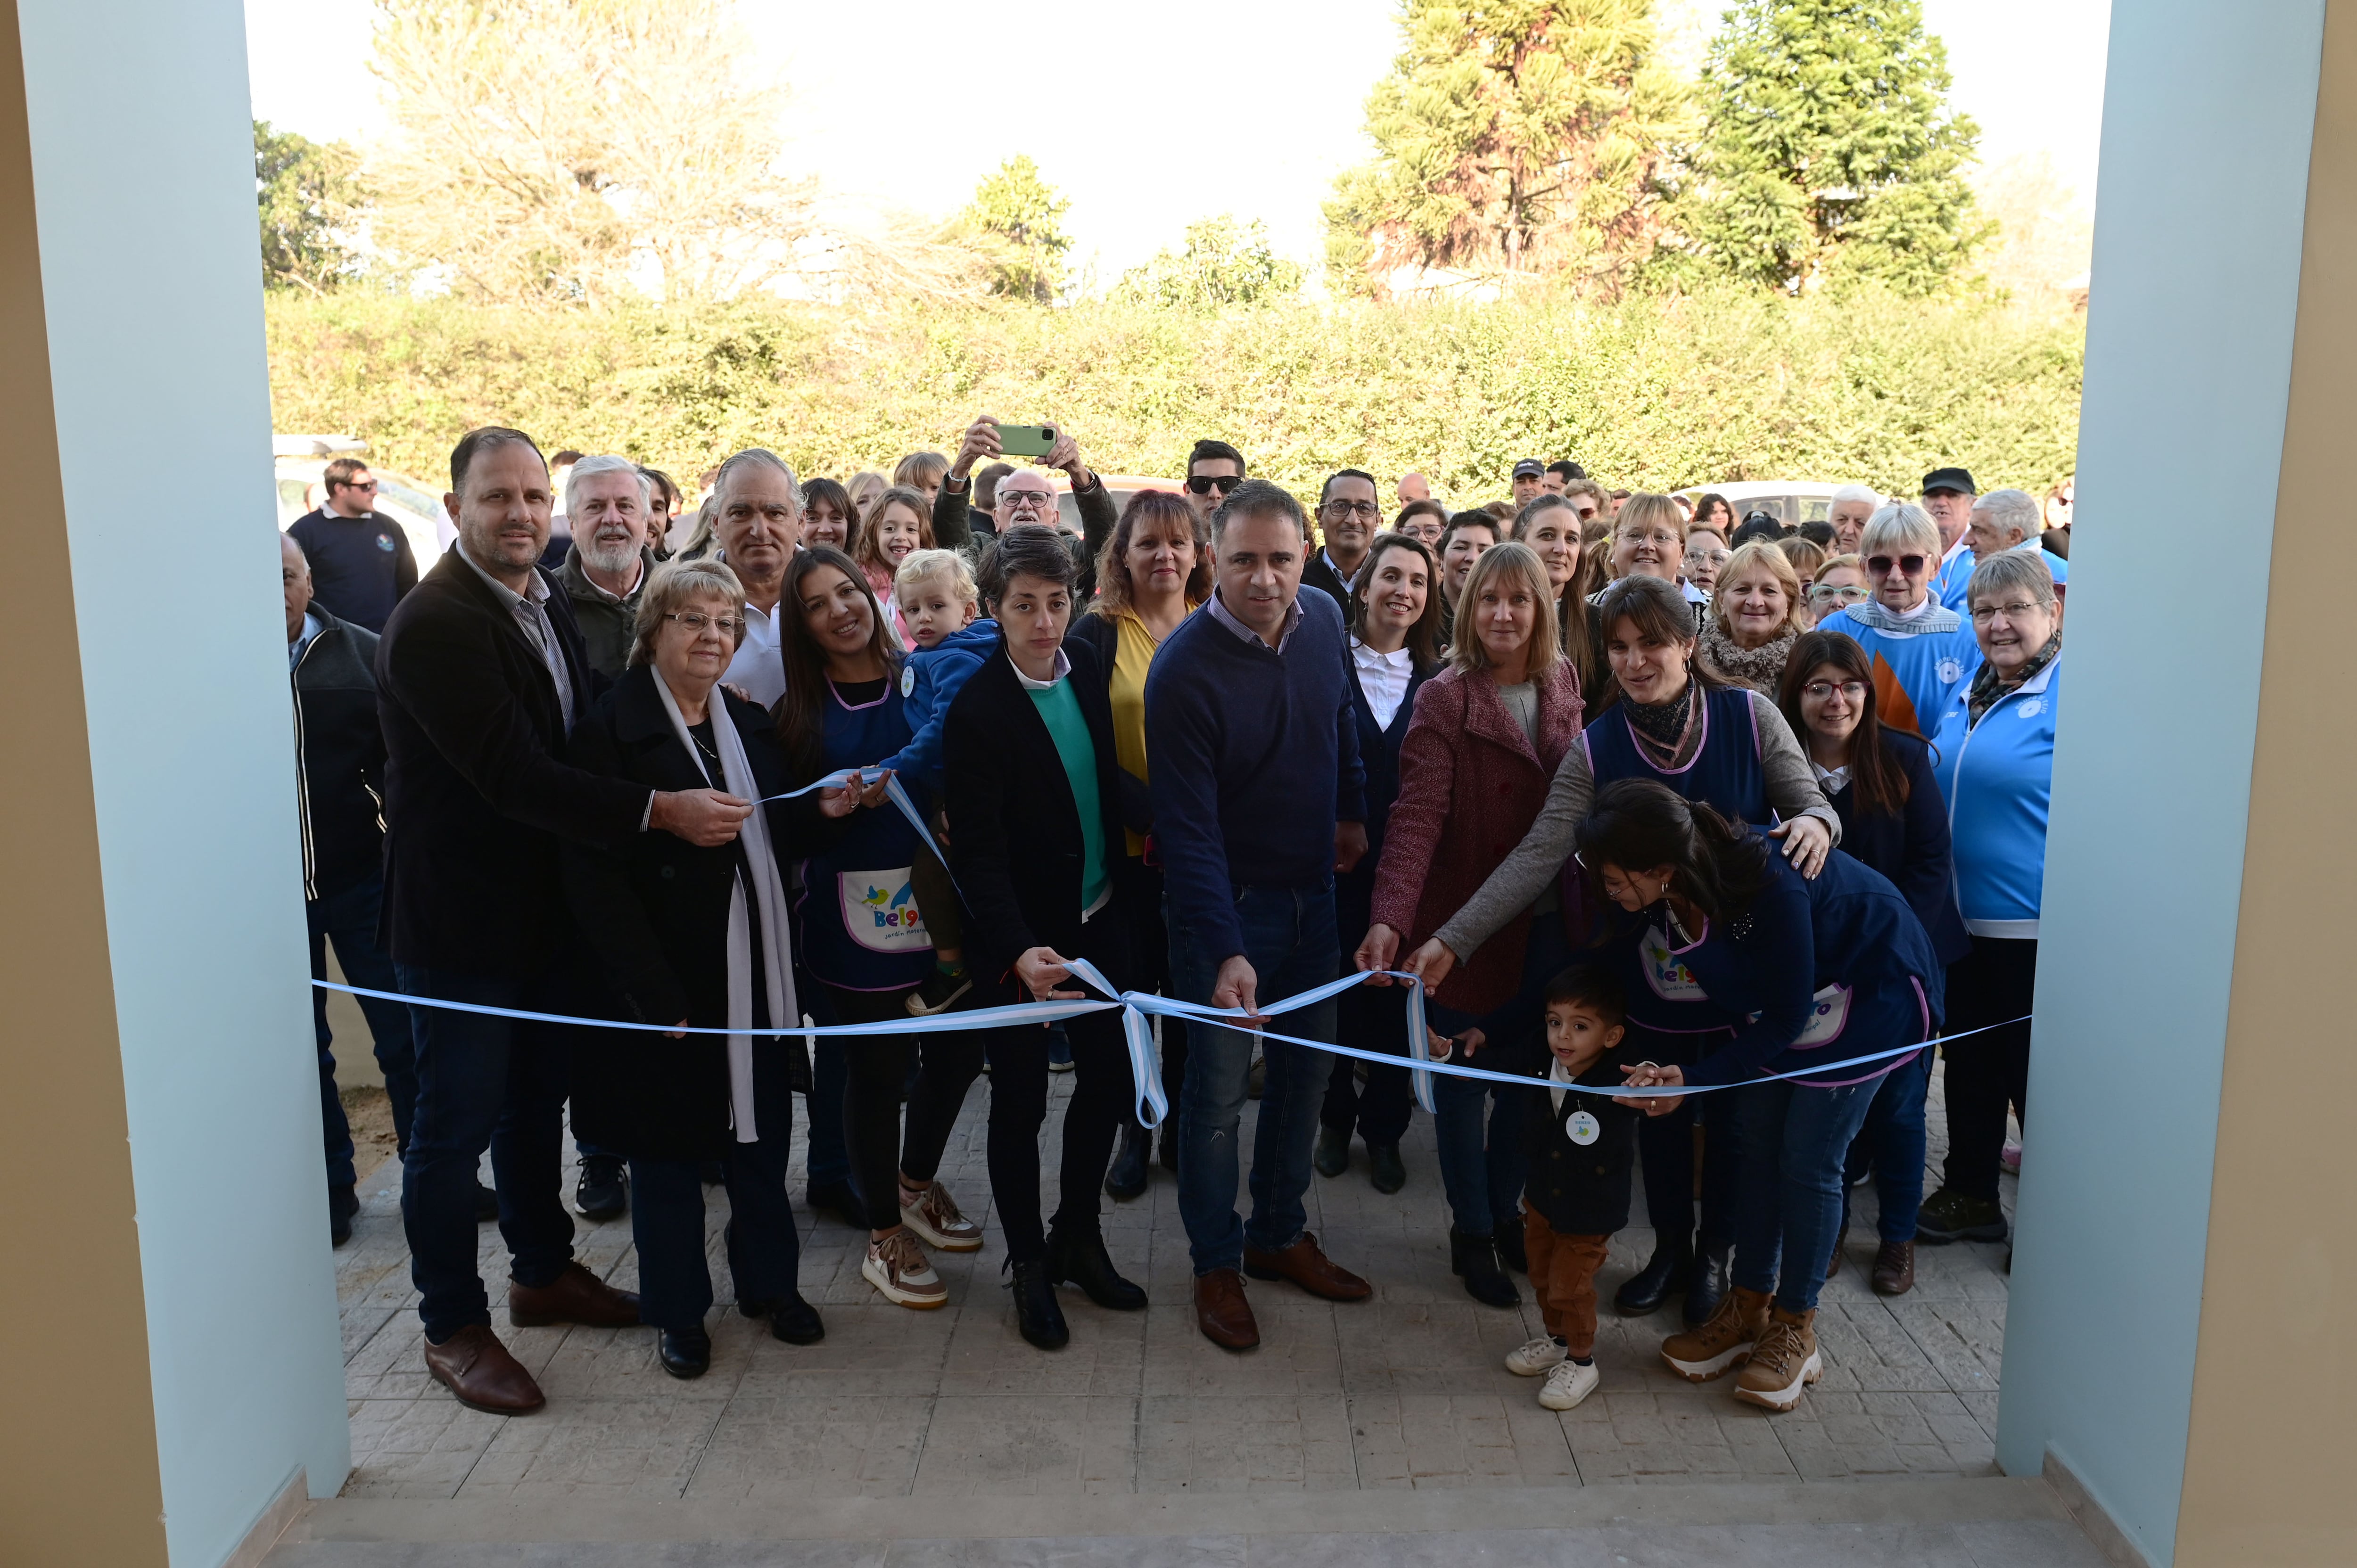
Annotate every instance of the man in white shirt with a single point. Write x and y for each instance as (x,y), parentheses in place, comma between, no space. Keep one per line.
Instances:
(757,511)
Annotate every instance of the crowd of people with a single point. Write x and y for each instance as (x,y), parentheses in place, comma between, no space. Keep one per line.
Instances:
(1693,831)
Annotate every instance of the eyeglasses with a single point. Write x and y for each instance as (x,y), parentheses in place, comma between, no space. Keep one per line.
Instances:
(1818,691)
(1880,566)
(1984,614)
(1708,557)
(1337,510)
(1019,498)
(696,620)
(1828,592)
(1204,484)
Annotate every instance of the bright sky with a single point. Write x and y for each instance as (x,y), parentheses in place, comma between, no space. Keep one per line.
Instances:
(1148,118)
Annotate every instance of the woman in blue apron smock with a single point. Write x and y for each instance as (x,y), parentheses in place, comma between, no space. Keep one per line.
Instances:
(863,938)
(1816,972)
(1730,747)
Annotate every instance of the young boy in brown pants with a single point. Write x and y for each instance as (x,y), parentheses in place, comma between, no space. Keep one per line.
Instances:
(1583,1149)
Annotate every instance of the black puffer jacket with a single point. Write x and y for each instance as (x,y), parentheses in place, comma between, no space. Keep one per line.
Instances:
(339,756)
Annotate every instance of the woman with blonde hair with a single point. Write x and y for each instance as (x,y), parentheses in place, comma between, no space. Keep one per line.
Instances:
(1754,618)
(1554,532)
(865,487)
(921,472)
(1475,767)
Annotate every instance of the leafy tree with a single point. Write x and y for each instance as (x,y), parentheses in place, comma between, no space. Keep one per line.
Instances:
(1016,221)
(308,193)
(1513,136)
(1829,150)
(1223,263)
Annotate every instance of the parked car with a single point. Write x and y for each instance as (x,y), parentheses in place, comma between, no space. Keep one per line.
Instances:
(301,462)
(1791,501)
(1120,486)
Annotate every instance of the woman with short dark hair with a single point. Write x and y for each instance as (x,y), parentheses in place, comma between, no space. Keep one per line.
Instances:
(1032,777)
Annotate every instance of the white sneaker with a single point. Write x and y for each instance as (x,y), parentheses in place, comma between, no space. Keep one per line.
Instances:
(1536,1357)
(1567,1385)
(898,1267)
(935,1217)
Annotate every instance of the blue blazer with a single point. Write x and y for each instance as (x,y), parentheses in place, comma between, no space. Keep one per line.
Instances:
(1379,750)
(1910,846)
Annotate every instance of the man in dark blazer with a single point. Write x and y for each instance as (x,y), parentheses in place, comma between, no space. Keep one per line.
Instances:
(479,675)
(1350,517)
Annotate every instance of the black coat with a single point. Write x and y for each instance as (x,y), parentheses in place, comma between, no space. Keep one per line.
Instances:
(1102,634)
(1015,844)
(1910,847)
(479,789)
(1582,1189)
(1319,575)
(1379,749)
(655,911)
(339,757)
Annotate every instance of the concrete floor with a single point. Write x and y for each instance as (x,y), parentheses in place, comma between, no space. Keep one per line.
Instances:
(943,1437)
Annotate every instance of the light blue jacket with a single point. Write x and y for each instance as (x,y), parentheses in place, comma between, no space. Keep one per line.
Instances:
(1955,578)
(1919,664)
(930,682)
(1998,777)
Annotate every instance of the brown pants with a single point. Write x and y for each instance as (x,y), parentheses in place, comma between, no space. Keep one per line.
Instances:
(1563,1276)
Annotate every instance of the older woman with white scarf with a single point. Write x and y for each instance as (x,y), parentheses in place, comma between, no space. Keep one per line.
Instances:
(696,936)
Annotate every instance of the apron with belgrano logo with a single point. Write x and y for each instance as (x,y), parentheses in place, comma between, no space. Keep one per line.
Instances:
(860,926)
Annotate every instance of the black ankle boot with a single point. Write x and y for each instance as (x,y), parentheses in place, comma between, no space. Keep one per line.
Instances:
(1476,1258)
(1079,1258)
(1708,1281)
(684,1352)
(1664,1272)
(1510,1250)
(1127,1179)
(1037,1315)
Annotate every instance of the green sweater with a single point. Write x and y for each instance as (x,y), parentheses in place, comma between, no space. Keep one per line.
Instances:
(1061,711)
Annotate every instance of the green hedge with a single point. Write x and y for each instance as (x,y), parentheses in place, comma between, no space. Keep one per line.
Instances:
(1653,391)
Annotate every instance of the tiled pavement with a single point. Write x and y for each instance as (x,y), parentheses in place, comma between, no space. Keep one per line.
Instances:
(1403,1391)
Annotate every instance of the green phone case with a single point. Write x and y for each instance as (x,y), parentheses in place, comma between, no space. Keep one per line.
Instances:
(1024,440)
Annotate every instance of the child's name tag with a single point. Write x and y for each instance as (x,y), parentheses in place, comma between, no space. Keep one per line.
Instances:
(1582,1128)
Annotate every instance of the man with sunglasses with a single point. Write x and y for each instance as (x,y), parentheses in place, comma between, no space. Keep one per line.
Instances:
(1214,469)
(1350,516)
(360,563)
(1921,651)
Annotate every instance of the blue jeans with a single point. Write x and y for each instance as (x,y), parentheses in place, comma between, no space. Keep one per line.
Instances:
(1483,1171)
(1892,1141)
(1290,942)
(482,1082)
(1794,1138)
(349,920)
(667,1215)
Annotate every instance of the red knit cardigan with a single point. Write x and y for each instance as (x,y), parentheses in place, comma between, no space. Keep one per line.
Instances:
(1470,786)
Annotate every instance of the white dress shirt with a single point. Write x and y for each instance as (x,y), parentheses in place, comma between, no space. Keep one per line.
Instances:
(1383,677)
(759,668)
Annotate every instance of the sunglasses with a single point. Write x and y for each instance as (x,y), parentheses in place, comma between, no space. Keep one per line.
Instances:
(1880,566)
(1204,484)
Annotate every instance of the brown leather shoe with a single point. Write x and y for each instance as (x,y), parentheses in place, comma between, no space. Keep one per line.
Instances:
(1894,1268)
(577,1295)
(1223,1313)
(474,1366)
(1309,1268)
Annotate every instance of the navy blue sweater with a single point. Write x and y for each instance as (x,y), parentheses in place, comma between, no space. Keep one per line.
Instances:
(360,566)
(1254,757)
(1910,846)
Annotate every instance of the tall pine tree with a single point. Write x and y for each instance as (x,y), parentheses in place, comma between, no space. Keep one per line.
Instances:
(1829,150)
(1516,137)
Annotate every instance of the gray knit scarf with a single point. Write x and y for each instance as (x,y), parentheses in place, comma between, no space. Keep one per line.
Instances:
(1759,668)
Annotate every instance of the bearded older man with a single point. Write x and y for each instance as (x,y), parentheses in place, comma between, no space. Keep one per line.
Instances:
(610,503)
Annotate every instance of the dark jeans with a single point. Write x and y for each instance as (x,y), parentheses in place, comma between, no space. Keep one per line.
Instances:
(1892,1142)
(1665,1150)
(1794,1140)
(830,1155)
(349,920)
(878,1067)
(1370,1018)
(1996,982)
(667,1215)
(1018,1106)
(1138,891)
(482,1082)
(1288,934)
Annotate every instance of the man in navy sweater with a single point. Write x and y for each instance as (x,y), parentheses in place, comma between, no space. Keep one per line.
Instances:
(1258,800)
(360,563)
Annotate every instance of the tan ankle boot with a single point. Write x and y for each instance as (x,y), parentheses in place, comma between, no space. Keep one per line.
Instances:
(1724,1340)
(1783,1363)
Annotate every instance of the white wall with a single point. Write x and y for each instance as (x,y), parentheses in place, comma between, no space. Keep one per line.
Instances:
(143,167)
(2198,223)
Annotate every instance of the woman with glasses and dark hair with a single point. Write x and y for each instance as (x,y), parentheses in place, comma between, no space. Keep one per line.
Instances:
(1921,651)
(1676,725)
(1996,744)
(1155,569)
(1813,971)
(1395,616)
(1422,520)
(1486,737)
(863,938)
(1894,819)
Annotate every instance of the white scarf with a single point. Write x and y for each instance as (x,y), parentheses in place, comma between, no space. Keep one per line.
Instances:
(778,968)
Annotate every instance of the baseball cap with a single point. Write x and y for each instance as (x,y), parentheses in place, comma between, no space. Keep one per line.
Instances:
(1950,479)
(1528,468)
